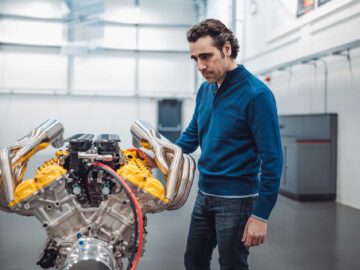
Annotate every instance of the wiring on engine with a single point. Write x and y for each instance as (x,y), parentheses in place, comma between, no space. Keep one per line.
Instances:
(138,239)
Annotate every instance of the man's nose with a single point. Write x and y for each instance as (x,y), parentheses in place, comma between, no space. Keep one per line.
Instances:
(201,66)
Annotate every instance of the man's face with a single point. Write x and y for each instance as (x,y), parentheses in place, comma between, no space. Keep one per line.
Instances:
(210,62)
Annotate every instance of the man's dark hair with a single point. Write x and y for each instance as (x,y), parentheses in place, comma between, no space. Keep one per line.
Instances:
(219,33)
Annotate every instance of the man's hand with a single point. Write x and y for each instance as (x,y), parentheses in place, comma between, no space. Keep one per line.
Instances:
(254,233)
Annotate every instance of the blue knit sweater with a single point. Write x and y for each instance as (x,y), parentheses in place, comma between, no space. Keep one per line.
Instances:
(237,129)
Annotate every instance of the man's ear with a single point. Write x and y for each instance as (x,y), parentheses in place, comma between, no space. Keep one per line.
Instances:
(227,49)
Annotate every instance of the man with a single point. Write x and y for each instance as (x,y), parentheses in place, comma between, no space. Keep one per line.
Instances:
(236,125)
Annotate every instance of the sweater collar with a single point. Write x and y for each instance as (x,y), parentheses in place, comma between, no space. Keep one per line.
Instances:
(232,76)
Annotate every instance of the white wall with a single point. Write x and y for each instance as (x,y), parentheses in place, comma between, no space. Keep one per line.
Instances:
(79,114)
(48,68)
(220,10)
(103,85)
(275,36)
(39,8)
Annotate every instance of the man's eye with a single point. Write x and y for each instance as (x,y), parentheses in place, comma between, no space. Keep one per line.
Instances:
(204,57)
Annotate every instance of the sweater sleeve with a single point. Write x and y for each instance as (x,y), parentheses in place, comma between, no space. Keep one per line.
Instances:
(189,140)
(264,125)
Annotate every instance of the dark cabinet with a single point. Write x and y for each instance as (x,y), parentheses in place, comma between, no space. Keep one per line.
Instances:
(310,150)
(169,118)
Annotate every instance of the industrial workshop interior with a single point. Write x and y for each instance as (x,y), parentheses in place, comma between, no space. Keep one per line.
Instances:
(118,116)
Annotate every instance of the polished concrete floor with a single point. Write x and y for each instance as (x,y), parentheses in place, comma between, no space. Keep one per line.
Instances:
(301,236)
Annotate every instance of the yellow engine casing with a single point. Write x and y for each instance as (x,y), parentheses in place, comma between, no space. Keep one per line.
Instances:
(45,175)
(134,171)
(138,174)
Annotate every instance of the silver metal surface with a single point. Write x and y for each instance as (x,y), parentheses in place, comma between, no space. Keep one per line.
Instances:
(92,156)
(47,132)
(170,160)
(64,219)
(6,178)
(12,168)
(188,179)
(89,249)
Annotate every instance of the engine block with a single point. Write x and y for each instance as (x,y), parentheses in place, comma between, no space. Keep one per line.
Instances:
(86,196)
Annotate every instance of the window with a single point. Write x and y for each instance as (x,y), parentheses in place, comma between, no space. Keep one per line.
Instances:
(306,6)
(321,2)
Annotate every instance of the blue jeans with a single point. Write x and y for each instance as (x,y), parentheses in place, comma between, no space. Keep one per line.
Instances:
(218,221)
